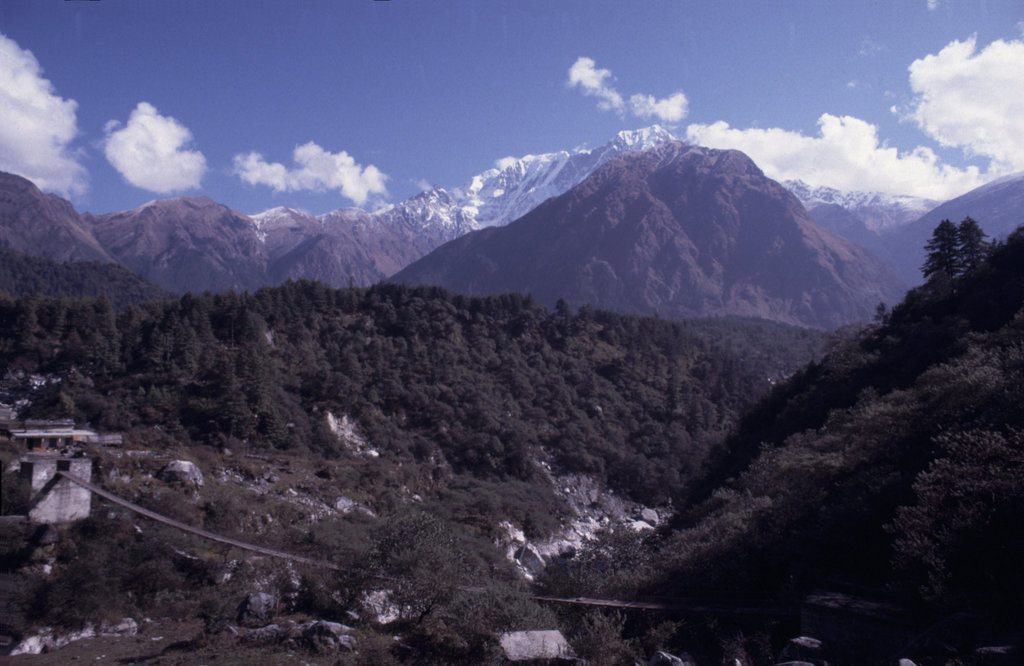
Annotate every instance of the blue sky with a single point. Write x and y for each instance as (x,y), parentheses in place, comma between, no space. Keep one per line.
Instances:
(322,105)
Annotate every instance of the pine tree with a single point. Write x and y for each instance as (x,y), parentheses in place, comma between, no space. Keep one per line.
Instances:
(972,243)
(943,252)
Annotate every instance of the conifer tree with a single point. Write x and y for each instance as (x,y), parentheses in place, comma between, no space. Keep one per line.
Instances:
(972,244)
(955,249)
(943,251)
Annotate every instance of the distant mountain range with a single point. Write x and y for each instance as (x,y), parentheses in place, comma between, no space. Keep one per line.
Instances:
(196,244)
(896,228)
(678,230)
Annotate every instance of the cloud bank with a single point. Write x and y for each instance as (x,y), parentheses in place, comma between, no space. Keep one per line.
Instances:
(316,170)
(846,154)
(36,125)
(963,98)
(150,152)
(595,82)
(973,100)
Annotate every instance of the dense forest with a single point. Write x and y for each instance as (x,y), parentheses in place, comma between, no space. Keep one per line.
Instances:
(487,386)
(22,274)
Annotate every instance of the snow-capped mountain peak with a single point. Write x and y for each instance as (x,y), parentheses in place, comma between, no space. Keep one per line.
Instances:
(639,139)
(878,211)
(278,218)
(511,188)
(517,185)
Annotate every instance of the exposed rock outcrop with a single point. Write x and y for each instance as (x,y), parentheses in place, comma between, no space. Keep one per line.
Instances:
(182,471)
(326,636)
(257,607)
(534,645)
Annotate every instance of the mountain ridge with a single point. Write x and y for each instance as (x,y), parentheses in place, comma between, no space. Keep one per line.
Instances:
(351,246)
(670,230)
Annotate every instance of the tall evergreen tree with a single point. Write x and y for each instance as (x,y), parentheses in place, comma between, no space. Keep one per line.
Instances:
(972,243)
(943,251)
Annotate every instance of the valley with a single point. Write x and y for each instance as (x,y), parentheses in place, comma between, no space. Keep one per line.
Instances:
(663,409)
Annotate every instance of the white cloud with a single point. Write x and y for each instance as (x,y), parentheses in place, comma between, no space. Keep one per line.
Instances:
(933,4)
(36,125)
(317,170)
(150,151)
(846,154)
(973,100)
(596,83)
(584,73)
(670,110)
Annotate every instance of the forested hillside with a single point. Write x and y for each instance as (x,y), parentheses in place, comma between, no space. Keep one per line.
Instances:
(440,417)
(488,386)
(23,274)
(894,465)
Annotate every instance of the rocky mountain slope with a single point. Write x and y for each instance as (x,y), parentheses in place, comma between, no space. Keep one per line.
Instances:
(184,244)
(43,225)
(876,212)
(367,247)
(870,219)
(515,186)
(678,230)
(195,244)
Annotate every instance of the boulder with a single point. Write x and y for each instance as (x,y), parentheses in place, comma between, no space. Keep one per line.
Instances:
(257,607)
(182,471)
(126,627)
(662,658)
(649,516)
(528,557)
(32,645)
(271,633)
(532,645)
(344,504)
(326,636)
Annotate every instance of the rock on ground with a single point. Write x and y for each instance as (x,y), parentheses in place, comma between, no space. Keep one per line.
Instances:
(529,645)
(182,471)
(258,606)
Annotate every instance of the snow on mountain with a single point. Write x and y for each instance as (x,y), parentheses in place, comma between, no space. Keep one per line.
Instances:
(279,218)
(509,190)
(878,211)
(676,229)
(515,186)
(434,212)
